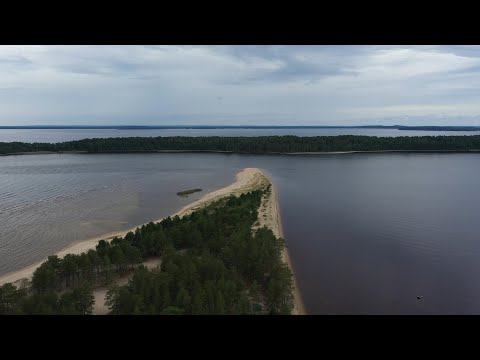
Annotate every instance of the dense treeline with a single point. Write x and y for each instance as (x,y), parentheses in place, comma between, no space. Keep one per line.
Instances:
(264,144)
(212,263)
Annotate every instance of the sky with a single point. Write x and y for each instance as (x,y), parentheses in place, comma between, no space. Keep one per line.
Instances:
(239,85)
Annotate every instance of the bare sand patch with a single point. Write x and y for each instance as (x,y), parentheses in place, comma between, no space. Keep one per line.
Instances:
(99,293)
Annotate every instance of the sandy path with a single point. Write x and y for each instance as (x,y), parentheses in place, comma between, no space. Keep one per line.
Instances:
(246,180)
(269,216)
(99,293)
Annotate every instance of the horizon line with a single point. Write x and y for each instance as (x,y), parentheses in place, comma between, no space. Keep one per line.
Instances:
(233,126)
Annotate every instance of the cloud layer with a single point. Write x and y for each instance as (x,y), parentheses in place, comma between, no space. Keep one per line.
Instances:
(235,85)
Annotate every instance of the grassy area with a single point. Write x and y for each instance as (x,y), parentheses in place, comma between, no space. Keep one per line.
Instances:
(185,193)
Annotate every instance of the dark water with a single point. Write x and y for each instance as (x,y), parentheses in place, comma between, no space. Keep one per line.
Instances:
(60,135)
(367,233)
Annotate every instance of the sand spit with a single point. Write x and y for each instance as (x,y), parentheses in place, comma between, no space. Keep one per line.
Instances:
(269,216)
(246,180)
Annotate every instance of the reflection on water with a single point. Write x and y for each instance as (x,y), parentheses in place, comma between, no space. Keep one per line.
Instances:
(367,233)
(48,202)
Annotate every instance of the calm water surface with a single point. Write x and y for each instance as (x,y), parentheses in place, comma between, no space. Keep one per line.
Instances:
(60,135)
(367,233)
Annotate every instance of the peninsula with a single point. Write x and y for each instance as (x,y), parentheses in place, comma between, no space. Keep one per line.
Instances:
(261,284)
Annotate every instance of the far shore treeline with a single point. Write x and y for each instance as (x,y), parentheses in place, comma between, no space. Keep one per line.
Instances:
(255,145)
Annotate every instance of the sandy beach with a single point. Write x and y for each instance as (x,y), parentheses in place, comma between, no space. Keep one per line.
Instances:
(246,180)
(269,216)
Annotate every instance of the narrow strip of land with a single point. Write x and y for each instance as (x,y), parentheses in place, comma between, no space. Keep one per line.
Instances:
(287,144)
(269,216)
(248,179)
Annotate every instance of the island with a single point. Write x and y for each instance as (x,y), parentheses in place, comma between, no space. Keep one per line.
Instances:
(185,193)
(252,145)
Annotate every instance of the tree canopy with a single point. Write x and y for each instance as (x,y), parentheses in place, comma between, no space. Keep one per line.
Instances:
(261,144)
(212,263)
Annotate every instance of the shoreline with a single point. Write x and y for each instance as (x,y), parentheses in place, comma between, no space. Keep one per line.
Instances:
(473,151)
(246,180)
(299,306)
(277,228)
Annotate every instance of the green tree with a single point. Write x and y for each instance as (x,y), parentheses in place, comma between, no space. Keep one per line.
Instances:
(69,269)
(112,299)
(183,300)
(118,257)
(171,310)
(45,279)
(84,300)
(107,269)
(10,297)
(211,264)
(44,303)
(219,303)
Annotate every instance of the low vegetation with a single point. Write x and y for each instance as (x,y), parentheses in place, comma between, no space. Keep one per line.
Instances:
(185,193)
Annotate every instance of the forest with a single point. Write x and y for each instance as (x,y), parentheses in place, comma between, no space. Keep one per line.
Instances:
(256,145)
(211,263)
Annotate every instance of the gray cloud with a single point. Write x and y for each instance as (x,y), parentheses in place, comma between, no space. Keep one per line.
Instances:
(294,63)
(323,85)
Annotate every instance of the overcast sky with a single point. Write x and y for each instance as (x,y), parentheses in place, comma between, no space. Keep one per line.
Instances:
(240,85)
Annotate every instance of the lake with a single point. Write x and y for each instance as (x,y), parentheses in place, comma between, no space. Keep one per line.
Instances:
(367,233)
(60,135)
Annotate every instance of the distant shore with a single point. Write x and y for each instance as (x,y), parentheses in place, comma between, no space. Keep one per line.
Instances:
(240,152)
(236,127)
(246,180)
